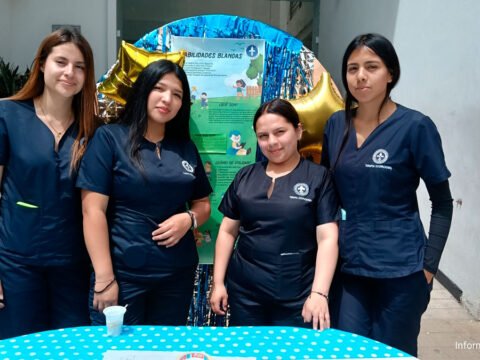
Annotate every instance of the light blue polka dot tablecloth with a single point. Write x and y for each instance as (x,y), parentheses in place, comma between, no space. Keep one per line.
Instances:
(259,342)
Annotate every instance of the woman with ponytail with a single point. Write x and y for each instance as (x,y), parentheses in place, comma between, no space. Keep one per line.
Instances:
(378,150)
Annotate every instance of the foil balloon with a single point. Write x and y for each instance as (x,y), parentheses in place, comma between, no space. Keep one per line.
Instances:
(314,109)
(131,61)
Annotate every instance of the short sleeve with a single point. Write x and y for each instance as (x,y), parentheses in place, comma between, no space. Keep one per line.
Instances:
(202,187)
(229,206)
(327,202)
(429,159)
(4,143)
(96,169)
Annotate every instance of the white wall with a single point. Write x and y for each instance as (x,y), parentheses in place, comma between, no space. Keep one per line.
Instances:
(341,20)
(438,42)
(5,43)
(438,45)
(30,23)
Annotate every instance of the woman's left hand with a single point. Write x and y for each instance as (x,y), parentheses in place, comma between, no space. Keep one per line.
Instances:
(428,276)
(315,310)
(172,230)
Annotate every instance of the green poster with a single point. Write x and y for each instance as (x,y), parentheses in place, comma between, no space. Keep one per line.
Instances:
(225,77)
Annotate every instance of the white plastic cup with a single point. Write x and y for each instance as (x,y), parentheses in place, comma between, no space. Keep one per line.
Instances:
(114,318)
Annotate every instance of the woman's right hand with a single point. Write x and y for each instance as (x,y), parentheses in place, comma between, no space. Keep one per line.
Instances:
(219,299)
(2,304)
(106,298)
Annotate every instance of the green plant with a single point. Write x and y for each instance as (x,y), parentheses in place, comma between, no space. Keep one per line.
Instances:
(11,80)
(255,70)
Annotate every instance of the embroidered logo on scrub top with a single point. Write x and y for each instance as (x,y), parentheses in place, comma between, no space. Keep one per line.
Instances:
(380,156)
(187,167)
(301,189)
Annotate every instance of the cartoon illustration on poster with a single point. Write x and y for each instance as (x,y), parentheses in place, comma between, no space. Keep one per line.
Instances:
(227,76)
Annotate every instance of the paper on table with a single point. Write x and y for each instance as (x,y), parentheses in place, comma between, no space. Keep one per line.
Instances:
(164,355)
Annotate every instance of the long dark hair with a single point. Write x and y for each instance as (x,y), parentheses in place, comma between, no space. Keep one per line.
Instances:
(384,49)
(84,103)
(136,116)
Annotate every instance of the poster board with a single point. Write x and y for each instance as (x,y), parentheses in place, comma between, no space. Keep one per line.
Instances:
(225,77)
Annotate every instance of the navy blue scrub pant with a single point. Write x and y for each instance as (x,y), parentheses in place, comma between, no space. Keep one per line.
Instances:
(248,309)
(39,298)
(163,301)
(387,310)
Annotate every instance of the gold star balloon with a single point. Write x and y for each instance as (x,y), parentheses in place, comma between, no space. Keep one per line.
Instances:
(314,109)
(131,61)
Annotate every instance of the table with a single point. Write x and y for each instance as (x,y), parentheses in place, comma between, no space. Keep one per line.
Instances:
(91,342)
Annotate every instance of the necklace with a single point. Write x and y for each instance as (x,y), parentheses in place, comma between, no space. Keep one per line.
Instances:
(57,133)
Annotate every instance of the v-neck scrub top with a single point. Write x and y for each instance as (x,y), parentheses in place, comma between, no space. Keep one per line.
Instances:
(40,209)
(140,197)
(381,235)
(277,244)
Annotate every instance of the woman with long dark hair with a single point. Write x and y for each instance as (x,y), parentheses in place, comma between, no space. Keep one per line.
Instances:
(44,130)
(378,151)
(144,190)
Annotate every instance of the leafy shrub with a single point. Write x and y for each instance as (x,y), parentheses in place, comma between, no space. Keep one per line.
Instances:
(11,80)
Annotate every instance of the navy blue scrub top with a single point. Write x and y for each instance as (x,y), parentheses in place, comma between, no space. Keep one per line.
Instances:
(382,235)
(277,243)
(139,199)
(51,232)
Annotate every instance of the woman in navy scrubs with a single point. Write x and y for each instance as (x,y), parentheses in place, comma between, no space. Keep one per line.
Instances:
(44,130)
(378,151)
(284,213)
(143,191)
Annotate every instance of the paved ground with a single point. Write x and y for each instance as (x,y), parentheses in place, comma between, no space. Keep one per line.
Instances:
(448,330)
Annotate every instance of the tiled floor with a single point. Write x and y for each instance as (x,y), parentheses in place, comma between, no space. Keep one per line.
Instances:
(448,330)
